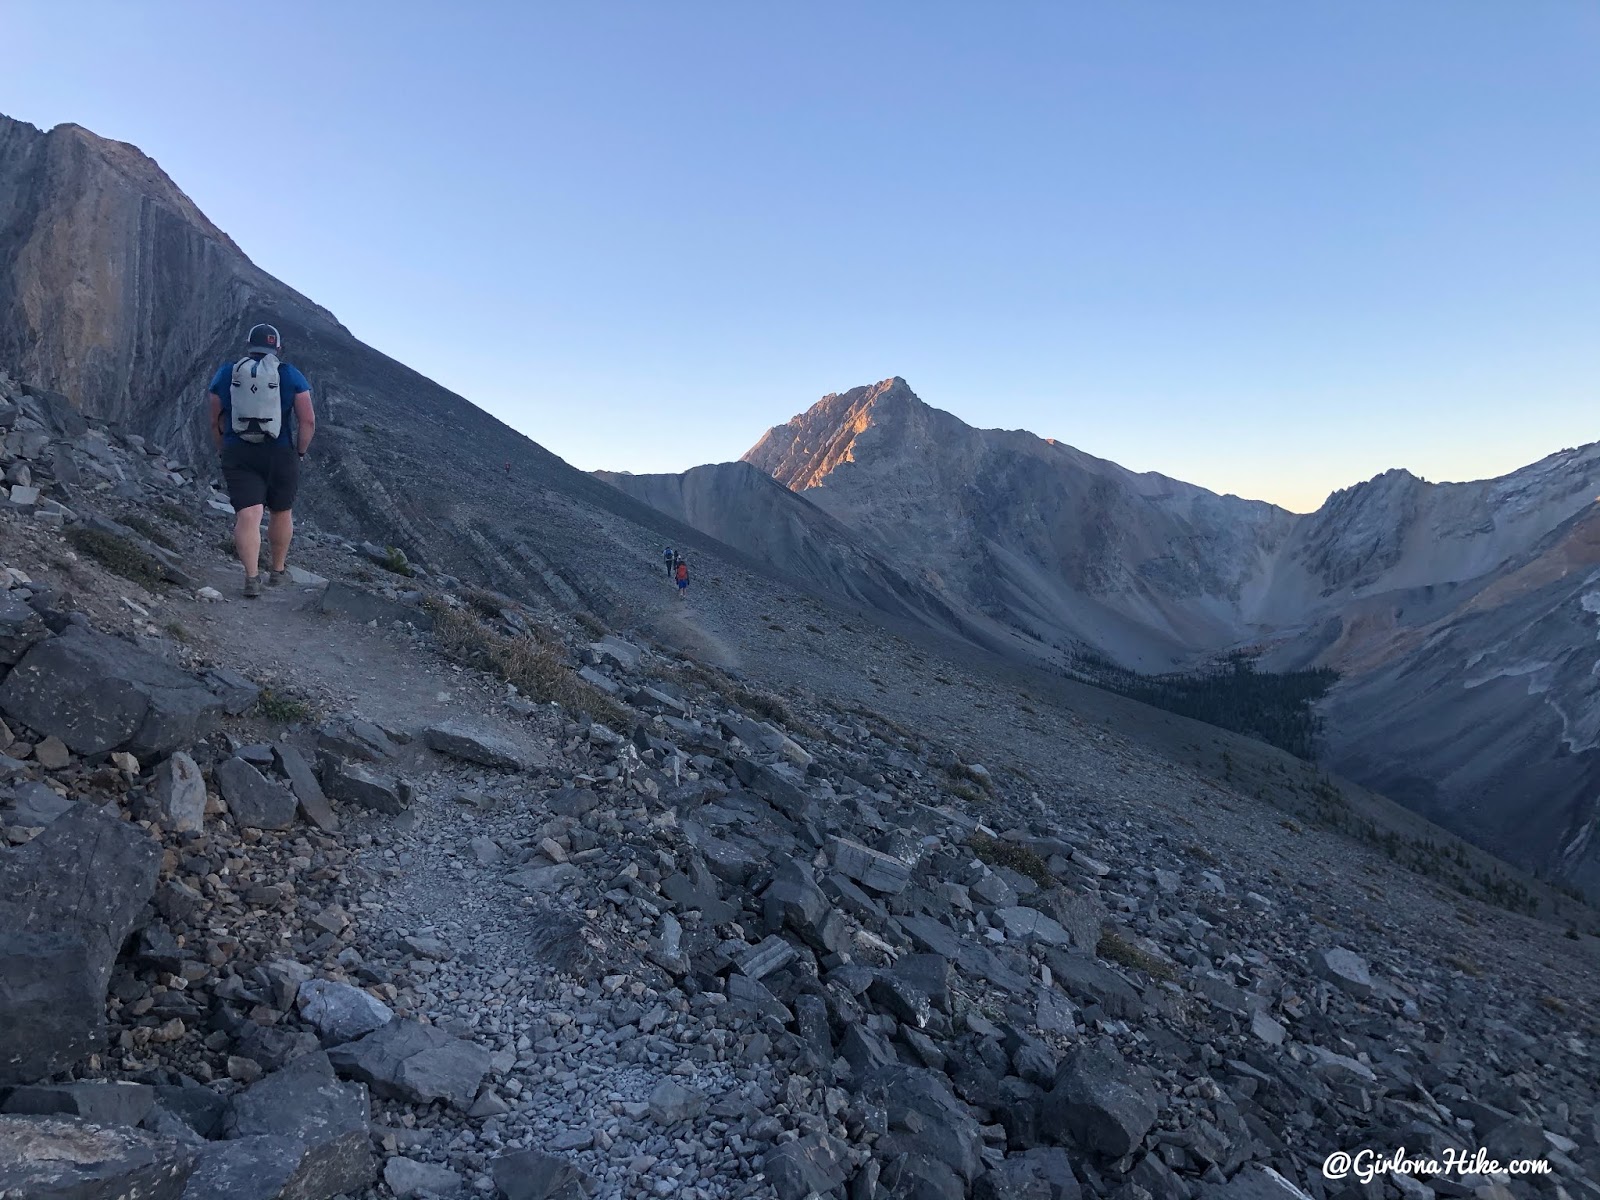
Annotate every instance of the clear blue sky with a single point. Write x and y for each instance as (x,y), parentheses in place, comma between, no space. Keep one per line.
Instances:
(1273,248)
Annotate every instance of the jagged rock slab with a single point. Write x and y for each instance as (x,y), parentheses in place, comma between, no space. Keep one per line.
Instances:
(63,1158)
(103,1102)
(1254,1182)
(870,868)
(20,628)
(68,900)
(307,791)
(353,783)
(1346,969)
(237,694)
(324,1121)
(97,693)
(481,746)
(254,800)
(406,1060)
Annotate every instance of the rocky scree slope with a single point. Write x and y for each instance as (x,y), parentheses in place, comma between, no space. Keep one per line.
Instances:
(1447,608)
(117,290)
(391,928)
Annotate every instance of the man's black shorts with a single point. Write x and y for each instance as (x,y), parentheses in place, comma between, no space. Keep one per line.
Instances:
(264,473)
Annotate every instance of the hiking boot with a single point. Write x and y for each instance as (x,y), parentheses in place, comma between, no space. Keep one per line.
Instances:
(252,586)
(278,578)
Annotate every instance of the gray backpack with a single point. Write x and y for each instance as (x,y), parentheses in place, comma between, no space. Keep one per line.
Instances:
(255,402)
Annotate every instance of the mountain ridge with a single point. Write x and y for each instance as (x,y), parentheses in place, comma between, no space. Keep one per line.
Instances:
(1164,575)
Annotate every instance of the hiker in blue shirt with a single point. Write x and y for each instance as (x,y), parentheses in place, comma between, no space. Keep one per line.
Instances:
(262,423)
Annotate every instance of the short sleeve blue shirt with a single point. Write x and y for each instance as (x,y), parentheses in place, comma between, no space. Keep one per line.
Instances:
(290,384)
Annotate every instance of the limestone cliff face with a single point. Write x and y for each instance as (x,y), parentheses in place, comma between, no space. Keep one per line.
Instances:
(114,286)
(116,289)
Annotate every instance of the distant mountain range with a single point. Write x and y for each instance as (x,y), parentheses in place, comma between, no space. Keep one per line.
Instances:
(1463,618)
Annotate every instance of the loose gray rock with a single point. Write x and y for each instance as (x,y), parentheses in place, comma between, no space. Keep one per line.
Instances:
(355,784)
(180,792)
(341,1012)
(868,867)
(20,628)
(1098,1105)
(407,1178)
(816,1163)
(672,1102)
(65,1158)
(104,1102)
(1347,970)
(1255,1182)
(307,791)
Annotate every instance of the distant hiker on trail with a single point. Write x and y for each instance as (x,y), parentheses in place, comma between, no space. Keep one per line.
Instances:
(671,559)
(262,423)
(682,576)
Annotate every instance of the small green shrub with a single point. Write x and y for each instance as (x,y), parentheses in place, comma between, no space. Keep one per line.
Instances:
(283,709)
(115,554)
(150,530)
(1009,854)
(1113,947)
(394,561)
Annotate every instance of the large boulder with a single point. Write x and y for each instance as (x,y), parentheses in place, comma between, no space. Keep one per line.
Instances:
(1098,1104)
(97,693)
(534,1175)
(68,900)
(302,1122)
(66,1158)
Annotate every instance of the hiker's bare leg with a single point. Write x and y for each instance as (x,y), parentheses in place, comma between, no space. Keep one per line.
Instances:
(247,538)
(280,530)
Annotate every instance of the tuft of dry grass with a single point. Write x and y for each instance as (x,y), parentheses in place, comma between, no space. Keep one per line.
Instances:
(1113,947)
(536,670)
(591,624)
(150,530)
(116,554)
(1009,854)
(484,603)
